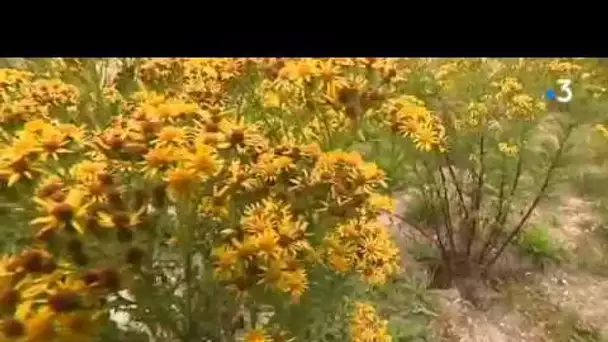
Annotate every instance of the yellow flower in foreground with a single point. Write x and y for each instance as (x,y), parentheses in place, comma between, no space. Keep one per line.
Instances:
(63,214)
(121,219)
(12,171)
(257,335)
(295,283)
(88,170)
(225,257)
(159,159)
(171,135)
(367,326)
(180,181)
(40,327)
(366,247)
(240,135)
(203,160)
(425,137)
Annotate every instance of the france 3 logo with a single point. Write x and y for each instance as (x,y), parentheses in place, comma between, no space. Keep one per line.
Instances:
(565,90)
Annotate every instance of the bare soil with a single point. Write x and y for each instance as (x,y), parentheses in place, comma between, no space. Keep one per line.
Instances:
(561,303)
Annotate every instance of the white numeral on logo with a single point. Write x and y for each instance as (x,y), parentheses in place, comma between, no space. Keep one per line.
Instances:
(565,87)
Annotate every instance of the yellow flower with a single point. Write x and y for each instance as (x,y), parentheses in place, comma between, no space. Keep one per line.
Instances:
(328,70)
(295,283)
(176,109)
(523,106)
(225,257)
(272,100)
(159,159)
(267,241)
(508,149)
(378,203)
(88,170)
(216,206)
(366,245)
(367,326)
(203,160)
(270,166)
(24,144)
(50,186)
(113,139)
(40,327)
(53,143)
(65,214)
(239,135)
(510,84)
(425,137)
(180,182)
(340,263)
(257,335)
(120,219)
(171,135)
(36,126)
(564,68)
(17,161)
(291,70)
(246,248)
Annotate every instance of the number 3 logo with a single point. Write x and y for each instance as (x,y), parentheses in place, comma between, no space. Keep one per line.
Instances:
(565,87)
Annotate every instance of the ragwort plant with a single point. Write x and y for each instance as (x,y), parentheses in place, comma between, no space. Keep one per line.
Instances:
(493,150)
(473,143)
(482,148)
(222,199)
(150,186)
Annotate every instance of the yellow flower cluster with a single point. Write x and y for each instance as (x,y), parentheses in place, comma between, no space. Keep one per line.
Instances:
(510,93)
(367,326)
(274,204)
(26,149)
(272,250)
(325,96)
(410,118)
(252,155)
(363,245)
(42,300)
(564,68)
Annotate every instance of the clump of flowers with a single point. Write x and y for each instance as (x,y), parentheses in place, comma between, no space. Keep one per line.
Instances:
(42,299)
(175,170)
(367,326)
(222,190)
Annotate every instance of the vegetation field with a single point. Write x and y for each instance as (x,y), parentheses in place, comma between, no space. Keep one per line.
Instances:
(303,199)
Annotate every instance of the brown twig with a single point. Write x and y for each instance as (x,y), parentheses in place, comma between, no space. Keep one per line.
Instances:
(504,208)
(457,184)
(412,224)
(445,255)
(478,196)
(447,212)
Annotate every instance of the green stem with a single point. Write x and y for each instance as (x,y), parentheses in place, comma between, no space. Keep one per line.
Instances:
(186,239)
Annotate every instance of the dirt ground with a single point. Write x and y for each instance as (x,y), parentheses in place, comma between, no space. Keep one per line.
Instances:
(561,303)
